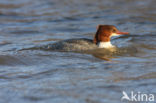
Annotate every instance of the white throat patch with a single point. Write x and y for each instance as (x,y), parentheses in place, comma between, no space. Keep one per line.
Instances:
(105,45)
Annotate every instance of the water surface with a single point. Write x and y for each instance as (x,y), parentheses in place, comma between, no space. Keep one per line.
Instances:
(31,76)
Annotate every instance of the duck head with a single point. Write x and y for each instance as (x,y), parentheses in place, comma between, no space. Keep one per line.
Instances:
(104,33)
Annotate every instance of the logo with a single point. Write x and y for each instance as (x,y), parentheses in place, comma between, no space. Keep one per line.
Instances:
(137,96)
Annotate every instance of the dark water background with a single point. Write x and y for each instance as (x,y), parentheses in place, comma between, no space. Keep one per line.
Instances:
(37,76)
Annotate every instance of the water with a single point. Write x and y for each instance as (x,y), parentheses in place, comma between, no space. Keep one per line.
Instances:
(31,76)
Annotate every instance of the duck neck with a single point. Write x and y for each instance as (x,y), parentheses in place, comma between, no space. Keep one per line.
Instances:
(105,45)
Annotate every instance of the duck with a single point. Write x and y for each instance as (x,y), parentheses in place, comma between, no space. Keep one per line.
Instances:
(102,39)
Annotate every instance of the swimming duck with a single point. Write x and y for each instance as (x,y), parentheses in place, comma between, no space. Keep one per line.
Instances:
(102,39)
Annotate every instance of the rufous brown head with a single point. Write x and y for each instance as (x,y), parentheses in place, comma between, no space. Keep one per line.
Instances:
(105,32)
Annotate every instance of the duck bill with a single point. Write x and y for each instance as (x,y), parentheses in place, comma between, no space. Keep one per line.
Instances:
(122,33)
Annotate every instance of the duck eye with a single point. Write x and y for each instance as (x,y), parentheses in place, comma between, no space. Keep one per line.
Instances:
(114,31)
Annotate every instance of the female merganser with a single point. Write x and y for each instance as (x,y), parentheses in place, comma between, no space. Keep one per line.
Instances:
(101,40)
